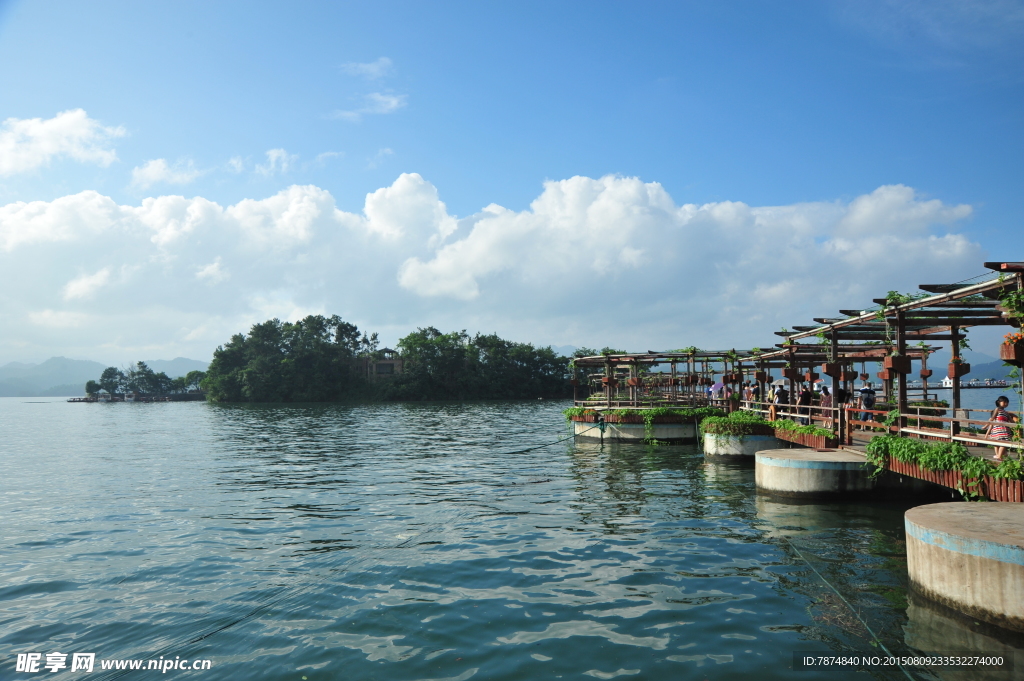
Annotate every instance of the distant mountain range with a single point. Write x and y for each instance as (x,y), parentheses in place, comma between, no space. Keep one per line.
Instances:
(60,376)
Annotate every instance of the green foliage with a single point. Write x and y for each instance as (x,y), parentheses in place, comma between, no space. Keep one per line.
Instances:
(92,387)
(311,360)
(939,456)
(457,366)
(793,427)
(738,423)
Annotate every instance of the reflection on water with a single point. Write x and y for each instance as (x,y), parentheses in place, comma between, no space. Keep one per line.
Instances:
(408,542)
(933,629)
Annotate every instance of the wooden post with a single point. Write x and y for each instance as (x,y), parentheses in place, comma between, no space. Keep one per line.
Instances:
(924,379)
(608,384)
(954,332)
(901,380)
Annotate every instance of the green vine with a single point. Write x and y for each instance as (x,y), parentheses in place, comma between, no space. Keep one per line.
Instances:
(940,456)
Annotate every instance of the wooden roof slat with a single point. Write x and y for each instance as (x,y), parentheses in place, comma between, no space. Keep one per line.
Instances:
(1005,266)
(942,288)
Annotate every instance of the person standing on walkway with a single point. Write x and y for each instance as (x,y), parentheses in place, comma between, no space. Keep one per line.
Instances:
(826,405)
(996,429)
(867,401)
(805,404)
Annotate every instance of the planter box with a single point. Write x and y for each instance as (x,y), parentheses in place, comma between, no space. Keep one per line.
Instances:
(1012,353)
(831,369)
(610,381)
(848,376)
(792,374)
(810,377)
(958,370)
(886,374)
(926,373)
(813,441)
(865,377)
(897,364)
(761,376)
(633,381)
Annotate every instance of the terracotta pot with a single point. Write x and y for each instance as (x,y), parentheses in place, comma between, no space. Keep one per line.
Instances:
(957,370)
(886,374)
(810,377)
(899,364)
(831,369)
(926,373)
(1012,353)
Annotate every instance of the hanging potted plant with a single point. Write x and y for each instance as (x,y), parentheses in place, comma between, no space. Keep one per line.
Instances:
(899,364)
(848,375)
(760,376)
(1012,350)
(886,374)
(865,377)
(791,373)
(958,368)
(831,369)
(926,373)
(810,376)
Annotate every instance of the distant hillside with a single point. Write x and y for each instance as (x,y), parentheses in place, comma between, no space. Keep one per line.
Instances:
(26,380)
(60,376)
(179,366)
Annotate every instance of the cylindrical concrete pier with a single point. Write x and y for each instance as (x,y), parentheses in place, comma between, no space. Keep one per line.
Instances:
(635,432)
(970,557)
(737,445)
(811,473)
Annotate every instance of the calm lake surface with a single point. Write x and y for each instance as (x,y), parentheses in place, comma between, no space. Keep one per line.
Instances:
(412,542)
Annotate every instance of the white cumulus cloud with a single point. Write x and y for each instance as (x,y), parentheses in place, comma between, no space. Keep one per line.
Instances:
(29,143)
(158,171)
(591,261)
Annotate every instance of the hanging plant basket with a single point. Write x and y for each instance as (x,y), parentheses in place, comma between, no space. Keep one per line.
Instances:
(865,377)
(899,364)
(810,377)
(958,369)
(848,376)
(633,381)
(886,374)
(926,373)
(791,374)
(1012,353)
(610,381)
(831,369)
(761,376)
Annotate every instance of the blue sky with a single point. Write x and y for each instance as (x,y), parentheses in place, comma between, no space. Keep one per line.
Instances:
(840,149)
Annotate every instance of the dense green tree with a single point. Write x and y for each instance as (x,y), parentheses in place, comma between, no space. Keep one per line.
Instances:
(446,366)
(112,380)
(311,360)
(92,387)
(192,380)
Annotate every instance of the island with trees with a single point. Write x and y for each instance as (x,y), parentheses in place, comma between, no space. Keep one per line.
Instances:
(320,359)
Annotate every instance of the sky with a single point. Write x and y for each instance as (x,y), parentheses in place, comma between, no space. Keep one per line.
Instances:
(640,175)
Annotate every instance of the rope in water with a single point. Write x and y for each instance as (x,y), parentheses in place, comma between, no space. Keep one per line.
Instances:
(530,449)
(848,605)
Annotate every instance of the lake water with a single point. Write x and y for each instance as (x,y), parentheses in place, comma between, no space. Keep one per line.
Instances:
(416,542)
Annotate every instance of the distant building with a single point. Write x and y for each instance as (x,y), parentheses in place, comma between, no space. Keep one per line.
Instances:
(947,382)
(389,364)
